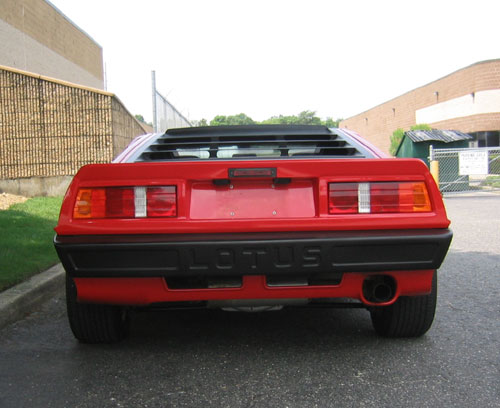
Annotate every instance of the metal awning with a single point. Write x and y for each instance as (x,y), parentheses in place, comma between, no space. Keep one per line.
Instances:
(445,136)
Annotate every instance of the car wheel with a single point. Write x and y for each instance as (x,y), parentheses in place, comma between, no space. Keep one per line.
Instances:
(409,316)
(92,323)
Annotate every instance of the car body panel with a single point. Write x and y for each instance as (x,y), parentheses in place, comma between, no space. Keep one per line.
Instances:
(151,291)
(253,228)
(319,172)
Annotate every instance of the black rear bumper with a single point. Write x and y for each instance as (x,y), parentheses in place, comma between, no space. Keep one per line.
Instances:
(284,253)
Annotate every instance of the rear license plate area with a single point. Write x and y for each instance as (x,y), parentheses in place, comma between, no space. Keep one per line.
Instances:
(252,199)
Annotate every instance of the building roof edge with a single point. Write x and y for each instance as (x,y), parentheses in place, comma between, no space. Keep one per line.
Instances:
(423,86)
(55,80)
(73,23)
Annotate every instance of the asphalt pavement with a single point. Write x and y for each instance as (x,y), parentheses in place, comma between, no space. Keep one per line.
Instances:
(289,358)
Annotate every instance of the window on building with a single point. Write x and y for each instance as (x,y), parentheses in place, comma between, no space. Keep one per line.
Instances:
(486,139)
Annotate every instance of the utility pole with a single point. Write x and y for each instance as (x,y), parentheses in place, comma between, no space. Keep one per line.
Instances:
(153,85)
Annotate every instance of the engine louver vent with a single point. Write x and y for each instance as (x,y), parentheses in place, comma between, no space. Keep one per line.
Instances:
(243,142)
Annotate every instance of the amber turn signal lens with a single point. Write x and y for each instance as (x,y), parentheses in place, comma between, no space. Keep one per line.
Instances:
(399,197)
(82,205)
(421,201)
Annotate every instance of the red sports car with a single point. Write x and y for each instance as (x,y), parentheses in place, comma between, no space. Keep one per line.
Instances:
(252,218)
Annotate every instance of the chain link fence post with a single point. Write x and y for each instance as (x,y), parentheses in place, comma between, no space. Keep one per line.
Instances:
(434,165)
(165,115)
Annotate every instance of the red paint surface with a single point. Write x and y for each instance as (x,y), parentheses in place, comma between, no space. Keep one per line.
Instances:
(145,291)
(314,174)
(252,199)
(202,207)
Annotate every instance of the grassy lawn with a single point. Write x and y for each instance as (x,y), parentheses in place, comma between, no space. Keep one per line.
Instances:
(493,181)
(26,233)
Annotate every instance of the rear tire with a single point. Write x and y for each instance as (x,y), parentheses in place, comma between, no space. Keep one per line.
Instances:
(92,323)
(409,316)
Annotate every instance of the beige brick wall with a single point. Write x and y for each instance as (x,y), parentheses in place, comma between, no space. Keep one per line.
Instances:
(50,128)
(124,126)
(32,27)
(378,123)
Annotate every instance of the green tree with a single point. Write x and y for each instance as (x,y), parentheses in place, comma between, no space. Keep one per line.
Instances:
(201,122)
(421,126)
(398,134)
(280,120)
(329,122)
(303,118)
(396,138)
(141,119)
(308,118)
(232,120)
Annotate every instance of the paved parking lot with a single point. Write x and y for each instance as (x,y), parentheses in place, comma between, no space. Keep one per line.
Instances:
(290,358)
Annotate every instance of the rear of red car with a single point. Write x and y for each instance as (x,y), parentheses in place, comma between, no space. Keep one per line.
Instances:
(252,217)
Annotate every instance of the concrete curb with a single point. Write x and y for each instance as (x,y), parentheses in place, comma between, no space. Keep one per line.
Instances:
(22,299)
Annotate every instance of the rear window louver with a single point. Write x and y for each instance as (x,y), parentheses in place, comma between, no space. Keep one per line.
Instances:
(254,145)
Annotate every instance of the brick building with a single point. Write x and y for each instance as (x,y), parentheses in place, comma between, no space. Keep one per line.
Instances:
(54,115)
(467,100)
(36,37)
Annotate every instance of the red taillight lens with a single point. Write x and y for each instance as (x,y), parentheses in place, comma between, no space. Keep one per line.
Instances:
(125,202)
(404,197)
(343,198)
(120,203)
(378,197)
(161,201)
(384,197)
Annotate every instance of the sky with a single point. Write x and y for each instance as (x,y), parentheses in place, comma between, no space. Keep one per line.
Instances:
(266,58)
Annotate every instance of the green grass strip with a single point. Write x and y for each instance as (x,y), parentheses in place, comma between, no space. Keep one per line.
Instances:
(26,234)
(493,181)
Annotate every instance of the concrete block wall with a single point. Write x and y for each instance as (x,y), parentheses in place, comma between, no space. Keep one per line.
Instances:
(49,129)
(36,37)
(36,186)
(124,126)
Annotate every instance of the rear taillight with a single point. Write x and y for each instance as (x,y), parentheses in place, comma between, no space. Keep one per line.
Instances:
(119,203)
(161,201)
(378,197)
(126,202)
(343,198)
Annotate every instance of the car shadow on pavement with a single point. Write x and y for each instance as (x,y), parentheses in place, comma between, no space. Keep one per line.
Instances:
(287,327)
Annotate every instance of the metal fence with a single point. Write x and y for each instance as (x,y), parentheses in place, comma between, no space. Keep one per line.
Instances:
(165,115)
(472,169)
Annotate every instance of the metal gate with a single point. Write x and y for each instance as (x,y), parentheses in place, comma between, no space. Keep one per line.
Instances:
(472,169)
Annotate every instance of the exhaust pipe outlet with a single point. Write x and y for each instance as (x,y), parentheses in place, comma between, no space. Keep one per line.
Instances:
(379,288)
